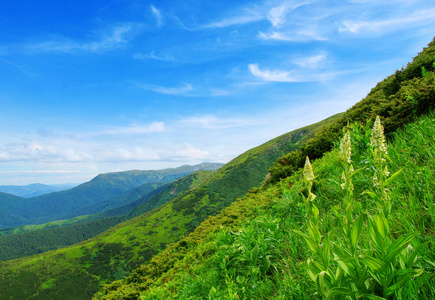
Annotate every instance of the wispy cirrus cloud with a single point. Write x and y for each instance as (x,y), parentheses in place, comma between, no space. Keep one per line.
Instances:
(168,90)
(274,75)
(244,15)
(157,14)
(310,61)
(113,38)
(394,23)
(280,15)
(152,55)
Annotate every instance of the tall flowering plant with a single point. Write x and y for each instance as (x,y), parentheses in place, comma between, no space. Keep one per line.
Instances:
(344,268)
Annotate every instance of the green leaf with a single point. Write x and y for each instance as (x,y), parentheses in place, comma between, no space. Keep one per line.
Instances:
(392,178)
(395,287)
(313,269)
(398,246)
(374,264)
(254,253)
(373,297)
(326,252)
(320,280)
(356,231)
(371,194)
(315,212)
(339,291)
(310,242)
(265,264)
(314,232)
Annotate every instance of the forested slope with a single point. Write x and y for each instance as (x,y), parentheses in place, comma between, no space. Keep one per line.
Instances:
(62,205)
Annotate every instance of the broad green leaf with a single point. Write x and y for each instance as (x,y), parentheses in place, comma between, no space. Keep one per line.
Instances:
(371,194)
(265,264)
(339,291)
(373,297)
(314,232)
(374,264)
(381,224)
(310,242)
(356,231)
(398,246)
(392,178)
(320,280)
(313,269)
(326,252)
(393,288)
(254,253)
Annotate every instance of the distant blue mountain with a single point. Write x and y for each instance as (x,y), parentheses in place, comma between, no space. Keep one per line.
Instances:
(35,189)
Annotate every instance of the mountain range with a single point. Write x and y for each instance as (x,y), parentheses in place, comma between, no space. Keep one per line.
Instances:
(35,189)
(68,203)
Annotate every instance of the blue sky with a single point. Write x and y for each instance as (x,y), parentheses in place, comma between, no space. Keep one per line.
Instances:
(88,87)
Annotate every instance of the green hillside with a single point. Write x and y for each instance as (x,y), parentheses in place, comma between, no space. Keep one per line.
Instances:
(102,188)
(113,254)
(34,239)
(356,239)
(109,256)
(9,203)
(262,245)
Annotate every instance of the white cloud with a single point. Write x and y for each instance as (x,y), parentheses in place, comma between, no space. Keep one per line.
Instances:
(389,24)
(279,15)
(240,17)
(310,61)
(188,152)
(158,15)
(273,75)
(122,154)
(168,90)
(212,122)
(114,38)
(154,127)
(28,151)
(153,55)
(293,35)
(41,171)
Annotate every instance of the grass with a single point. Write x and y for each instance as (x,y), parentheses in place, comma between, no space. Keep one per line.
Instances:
(265,257)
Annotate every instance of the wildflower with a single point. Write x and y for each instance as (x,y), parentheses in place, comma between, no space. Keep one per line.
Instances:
(311,197)
(375,180)
(377,139)
(345,148)
(308,170)
(386,173)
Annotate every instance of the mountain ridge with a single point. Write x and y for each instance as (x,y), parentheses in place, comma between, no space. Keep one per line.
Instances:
(49,207)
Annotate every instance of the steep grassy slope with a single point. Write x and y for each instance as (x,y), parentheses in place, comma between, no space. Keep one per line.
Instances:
(246,265)
(263,255)
(398,99)
(113,254)
(58,205)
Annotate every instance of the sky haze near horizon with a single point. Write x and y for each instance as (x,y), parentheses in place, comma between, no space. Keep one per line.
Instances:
(103,86)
